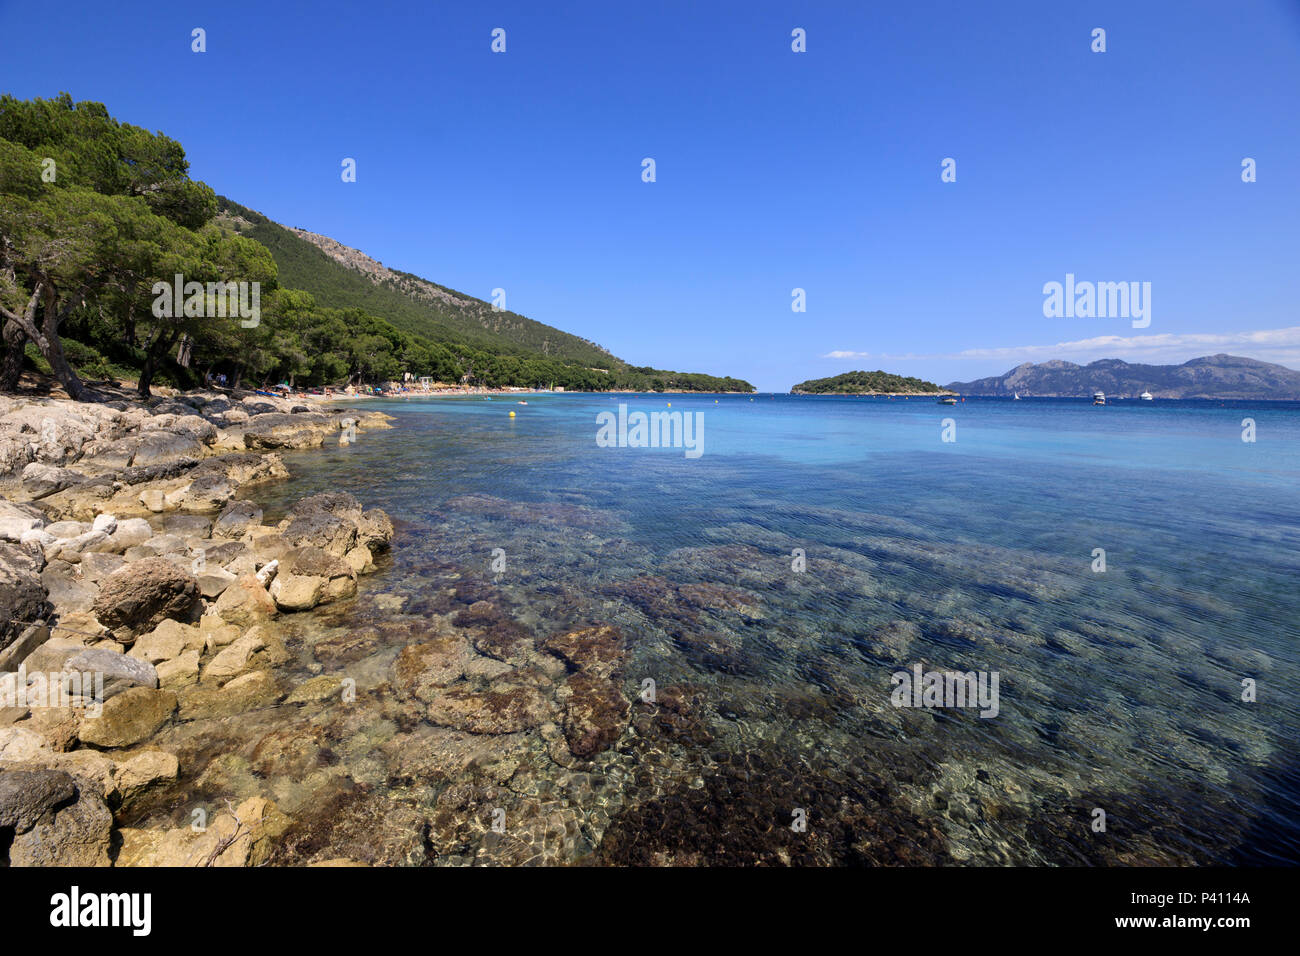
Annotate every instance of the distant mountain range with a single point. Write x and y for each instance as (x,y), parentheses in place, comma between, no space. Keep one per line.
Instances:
(1212,376)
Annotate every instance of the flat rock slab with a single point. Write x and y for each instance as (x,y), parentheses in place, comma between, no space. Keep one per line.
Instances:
(129,718)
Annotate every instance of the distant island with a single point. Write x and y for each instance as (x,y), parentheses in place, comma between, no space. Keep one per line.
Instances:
(1212,376)
(868,383)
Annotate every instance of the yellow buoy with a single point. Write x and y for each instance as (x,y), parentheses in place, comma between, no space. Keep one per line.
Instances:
(512,414)
(670,404)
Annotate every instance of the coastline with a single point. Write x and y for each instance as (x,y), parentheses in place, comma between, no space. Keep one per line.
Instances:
(141,589)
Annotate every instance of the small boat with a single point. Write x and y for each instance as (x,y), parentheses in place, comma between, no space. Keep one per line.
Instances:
(947,400)
(1099,398)
(1146,396)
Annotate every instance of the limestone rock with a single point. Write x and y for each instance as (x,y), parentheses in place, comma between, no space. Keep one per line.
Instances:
(129,718)
(145,770)
(245,602)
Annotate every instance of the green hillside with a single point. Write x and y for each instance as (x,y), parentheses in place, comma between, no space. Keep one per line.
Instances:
(83,253)
(302,265)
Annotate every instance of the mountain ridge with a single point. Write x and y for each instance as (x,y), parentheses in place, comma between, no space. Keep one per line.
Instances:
(343,277)
(1219,376)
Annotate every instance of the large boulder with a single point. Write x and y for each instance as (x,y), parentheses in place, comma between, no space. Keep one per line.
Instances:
(41,479)
(130,533)
(279,430)
(17,520)
(311,576)
(158,447)
(208,492)
(335,533)
(140,595)
(191,426)
(335,521)
(235,658)
(375,530)
(242,468)
(146,769)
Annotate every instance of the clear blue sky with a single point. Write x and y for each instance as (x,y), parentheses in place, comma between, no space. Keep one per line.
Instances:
(775,169)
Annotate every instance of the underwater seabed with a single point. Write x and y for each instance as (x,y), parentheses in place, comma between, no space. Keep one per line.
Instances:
(501,713)
(771,697)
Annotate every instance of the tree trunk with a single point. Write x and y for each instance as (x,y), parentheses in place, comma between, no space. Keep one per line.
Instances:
(52,348)
(16,332)
(46,335)
(11,369)
(161,345)
(72,384)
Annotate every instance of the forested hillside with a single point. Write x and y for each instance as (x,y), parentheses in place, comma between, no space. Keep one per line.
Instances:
(99,217)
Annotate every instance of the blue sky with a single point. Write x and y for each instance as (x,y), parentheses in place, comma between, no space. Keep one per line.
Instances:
(775,169)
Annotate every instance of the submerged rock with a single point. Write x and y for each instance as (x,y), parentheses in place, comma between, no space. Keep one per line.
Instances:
(244,836)
(359,824)
(422,670)
(595,713)
(503,709)
(598,651)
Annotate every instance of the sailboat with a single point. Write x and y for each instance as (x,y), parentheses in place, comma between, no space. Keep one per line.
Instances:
(1146,396)
(1017,398)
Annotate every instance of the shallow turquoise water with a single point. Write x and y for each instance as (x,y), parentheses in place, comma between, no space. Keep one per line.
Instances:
(1119,691)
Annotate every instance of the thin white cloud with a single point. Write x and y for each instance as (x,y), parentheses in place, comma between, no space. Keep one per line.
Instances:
(1272,345)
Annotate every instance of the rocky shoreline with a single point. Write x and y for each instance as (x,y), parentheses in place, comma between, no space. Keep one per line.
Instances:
(138,587)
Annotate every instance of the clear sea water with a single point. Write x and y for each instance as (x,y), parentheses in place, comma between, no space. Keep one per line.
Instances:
(1120,691)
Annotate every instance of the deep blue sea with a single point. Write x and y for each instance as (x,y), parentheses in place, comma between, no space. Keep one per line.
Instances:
(820,545)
